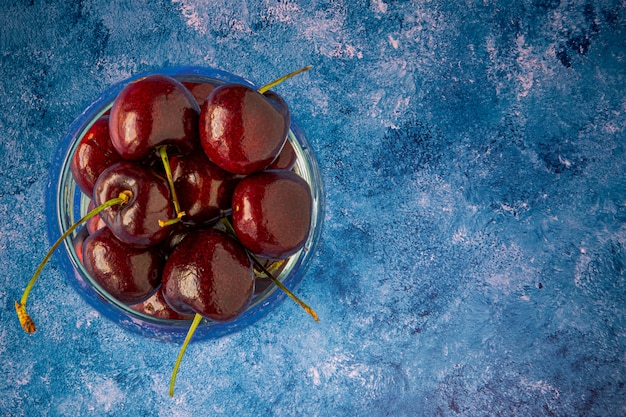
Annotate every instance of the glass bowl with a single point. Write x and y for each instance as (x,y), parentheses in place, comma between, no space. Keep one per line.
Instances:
(65,204)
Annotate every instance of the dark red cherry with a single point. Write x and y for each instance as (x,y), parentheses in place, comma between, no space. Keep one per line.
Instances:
(152,111)
(199,90)
(156,306)
(242,130)
(129,274)
(286,158)
(94,154)
(137,221)
(209,273)
(204,190)
(272,213)
(178,233)
(95,223)
(78,241)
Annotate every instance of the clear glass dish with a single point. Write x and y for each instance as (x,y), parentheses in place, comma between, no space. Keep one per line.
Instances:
(65,204)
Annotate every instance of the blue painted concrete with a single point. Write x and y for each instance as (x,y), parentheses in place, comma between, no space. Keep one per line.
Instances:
(473,259)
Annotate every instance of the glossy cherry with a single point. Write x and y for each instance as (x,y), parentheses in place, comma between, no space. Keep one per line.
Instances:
(137,221)
(96,222)
(209,273)
(129,274)
(272,213)
(242,130)
(200,90)
(286,159)
(156,306)
(94,153)
(204,190)
(77,242)
(179,231)
(152,111)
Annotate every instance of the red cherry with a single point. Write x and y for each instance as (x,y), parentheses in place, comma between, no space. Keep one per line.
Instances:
(94,153)
(152,111)
(199,90)
(137,221)
(156,306)
(286,159)
(204,190)
(95,223)
(129,274)
(272,213)
(209,273)
(242,130)
(78,241)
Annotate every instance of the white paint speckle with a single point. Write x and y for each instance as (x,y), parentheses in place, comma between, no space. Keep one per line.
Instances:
(395,43)
(191,15)
(316,376)
(379,6)
(106,394)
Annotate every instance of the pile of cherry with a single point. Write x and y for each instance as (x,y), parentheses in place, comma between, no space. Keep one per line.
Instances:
(194,199)
(222,150)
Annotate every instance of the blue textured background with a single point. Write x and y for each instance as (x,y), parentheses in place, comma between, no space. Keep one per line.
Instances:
(473,259)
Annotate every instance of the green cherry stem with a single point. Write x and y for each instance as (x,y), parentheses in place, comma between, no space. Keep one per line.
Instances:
(272,277)
(198,318)
(170,180)
(192,329)
(20,307)
(277,81)
(285,289)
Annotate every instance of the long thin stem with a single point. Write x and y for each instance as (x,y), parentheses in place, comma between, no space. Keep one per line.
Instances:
(271,276)
(170,180)
(285,289)
(192,329)
(277,81)
(25,320)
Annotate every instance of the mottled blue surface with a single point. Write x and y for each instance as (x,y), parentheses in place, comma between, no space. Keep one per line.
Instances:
(473,259)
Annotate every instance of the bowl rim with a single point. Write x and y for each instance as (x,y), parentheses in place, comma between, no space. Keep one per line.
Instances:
(61,214)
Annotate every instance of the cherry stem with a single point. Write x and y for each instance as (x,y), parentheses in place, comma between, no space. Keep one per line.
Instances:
(170,181)
(285,289)
(192,329)
(198,318)
(277,81)
(272,277)
(20,307)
